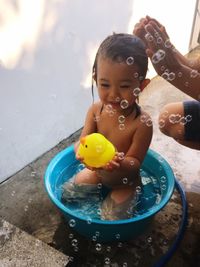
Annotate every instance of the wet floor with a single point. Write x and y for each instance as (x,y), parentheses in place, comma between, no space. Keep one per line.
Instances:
(24,203)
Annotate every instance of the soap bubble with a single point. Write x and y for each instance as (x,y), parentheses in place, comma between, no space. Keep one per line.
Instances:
(108,248)
(107,260)
(162,68)
(74,242)
(89,221)
(71,235)
(188,118)
(159,40)
(138,189)
(99,185)
(180,74)
(165,114)
(130,61)
(119,244)
(172,118)
(183,121)
(124,104)
(110,110)
(99,148)
(98,247)
(168,44)
(71,258)
(158,198)
(76,249)
(168,76)
(163,179)
(165,75)
(121,126)
(149,123)
(193,73)
(148,37)
(163,187)
(117,236)
(72,223)
(186,84)
(136,91)
(156,34)
(125,180)
(171,76)
(136,74)
(121,155)
(26,208)
(161,123)
(117,99)
(97,233)
(121,119)
(149,240)
(94,238)
(143,118)
(96,118)
(158,56)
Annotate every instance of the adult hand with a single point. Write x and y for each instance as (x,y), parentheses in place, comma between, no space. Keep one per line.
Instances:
(164,57)
(168,62)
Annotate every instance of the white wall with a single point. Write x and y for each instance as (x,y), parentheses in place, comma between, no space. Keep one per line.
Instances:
(44,47)
(46,50)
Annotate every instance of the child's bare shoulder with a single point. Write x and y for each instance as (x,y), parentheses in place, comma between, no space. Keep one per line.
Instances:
(144,115)
(145,120)
(96,107)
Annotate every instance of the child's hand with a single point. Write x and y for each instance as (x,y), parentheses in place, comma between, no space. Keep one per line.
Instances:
(115,163)
(78,157)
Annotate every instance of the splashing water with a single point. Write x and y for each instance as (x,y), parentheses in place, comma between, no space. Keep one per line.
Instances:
(89,206)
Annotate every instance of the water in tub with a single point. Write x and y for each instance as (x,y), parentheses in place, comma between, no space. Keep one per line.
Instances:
(87,201)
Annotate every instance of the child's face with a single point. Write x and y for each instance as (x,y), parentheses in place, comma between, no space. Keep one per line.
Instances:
(118,83)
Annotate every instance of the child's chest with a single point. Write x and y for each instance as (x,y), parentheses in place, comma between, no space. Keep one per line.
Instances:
(118,129)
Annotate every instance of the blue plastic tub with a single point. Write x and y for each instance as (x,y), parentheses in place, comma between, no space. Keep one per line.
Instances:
(108,231)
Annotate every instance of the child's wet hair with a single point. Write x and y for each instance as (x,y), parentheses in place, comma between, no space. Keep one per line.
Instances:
(119,48)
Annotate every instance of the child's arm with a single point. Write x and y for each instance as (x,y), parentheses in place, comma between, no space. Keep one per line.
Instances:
(88,128)
(140,144)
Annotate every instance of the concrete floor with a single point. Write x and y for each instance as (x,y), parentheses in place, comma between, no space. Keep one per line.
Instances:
(25,204)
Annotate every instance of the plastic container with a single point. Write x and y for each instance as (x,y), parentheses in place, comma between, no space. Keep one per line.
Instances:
(109,231)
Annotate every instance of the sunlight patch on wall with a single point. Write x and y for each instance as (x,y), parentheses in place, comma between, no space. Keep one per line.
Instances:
(91,53)
(19,29)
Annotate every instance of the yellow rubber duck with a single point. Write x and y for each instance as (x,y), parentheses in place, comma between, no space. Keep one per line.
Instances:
(96,150)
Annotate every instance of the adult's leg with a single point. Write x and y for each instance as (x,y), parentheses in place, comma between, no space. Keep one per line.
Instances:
(173,119)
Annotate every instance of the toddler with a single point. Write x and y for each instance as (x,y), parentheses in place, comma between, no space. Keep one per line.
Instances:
(119,73)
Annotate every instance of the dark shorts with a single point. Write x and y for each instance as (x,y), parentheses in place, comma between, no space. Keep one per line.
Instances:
(192,115)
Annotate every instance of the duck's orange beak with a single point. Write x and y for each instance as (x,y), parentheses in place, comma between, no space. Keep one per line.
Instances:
(82,140)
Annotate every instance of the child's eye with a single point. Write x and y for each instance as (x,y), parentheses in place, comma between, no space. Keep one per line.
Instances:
(105,85)
(125,86)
